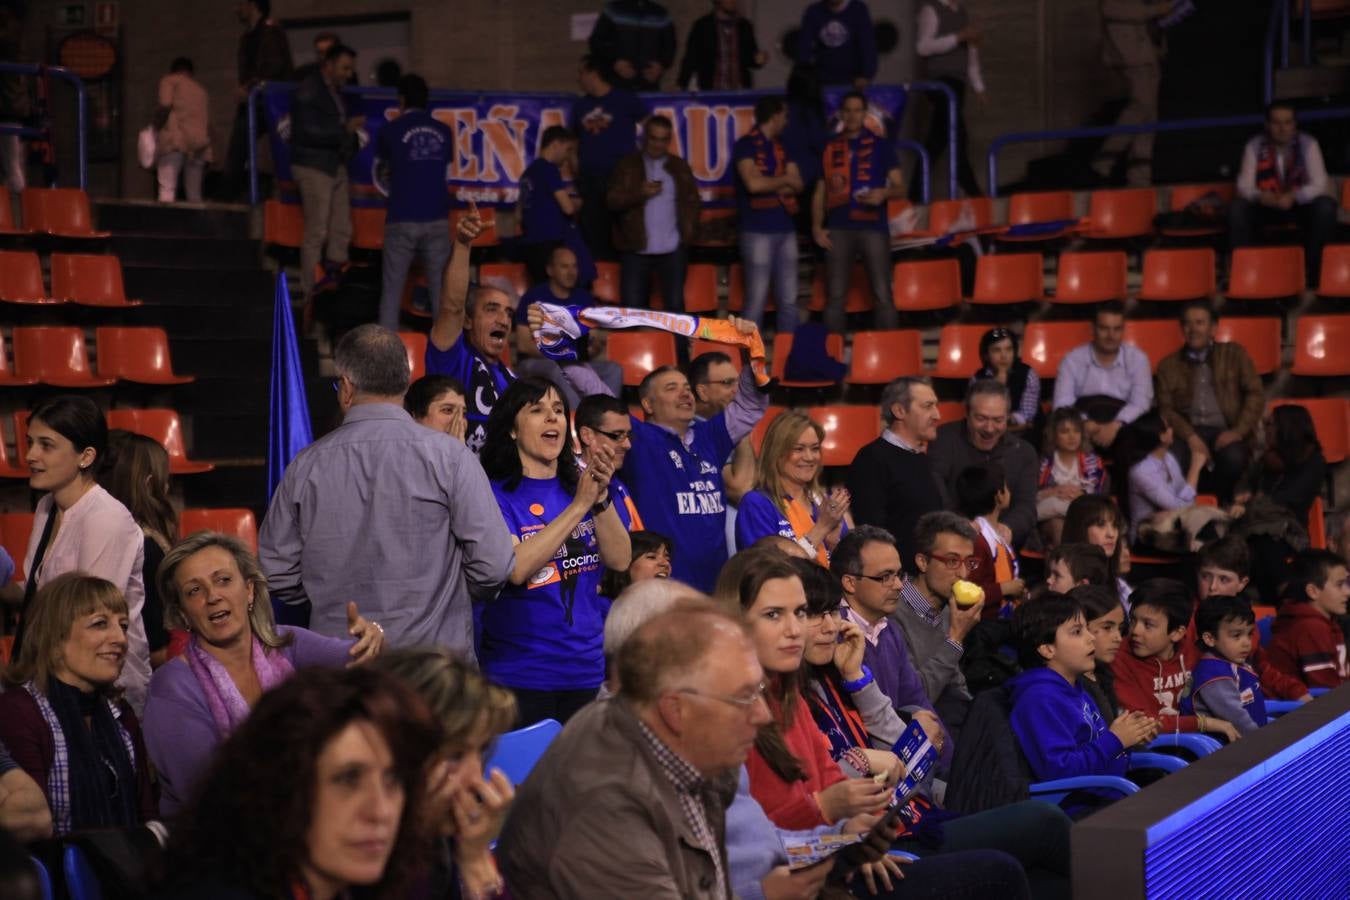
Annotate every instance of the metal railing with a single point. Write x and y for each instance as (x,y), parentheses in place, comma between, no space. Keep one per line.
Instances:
(1068,134)
(81,113)
(921,152)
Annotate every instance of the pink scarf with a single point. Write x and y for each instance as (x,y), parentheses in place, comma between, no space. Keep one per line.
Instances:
(228,707)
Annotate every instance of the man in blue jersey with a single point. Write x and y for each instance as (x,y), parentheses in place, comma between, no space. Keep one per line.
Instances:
(603,422)
(674,469)
(470,333)
(605,120)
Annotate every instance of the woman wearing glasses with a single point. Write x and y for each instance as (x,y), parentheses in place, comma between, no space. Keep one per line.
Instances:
(788,499)
(998,353)
(543,636)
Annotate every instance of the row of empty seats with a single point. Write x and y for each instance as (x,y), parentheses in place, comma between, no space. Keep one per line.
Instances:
(87,279)
(54,212)
(58,356)
(162,425)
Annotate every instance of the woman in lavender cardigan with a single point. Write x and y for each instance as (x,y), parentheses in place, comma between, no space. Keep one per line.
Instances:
(212,586)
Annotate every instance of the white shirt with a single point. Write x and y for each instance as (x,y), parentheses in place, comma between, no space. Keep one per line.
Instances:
(1318,183)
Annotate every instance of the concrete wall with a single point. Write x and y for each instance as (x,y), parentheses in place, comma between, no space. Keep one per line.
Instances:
(1041,56)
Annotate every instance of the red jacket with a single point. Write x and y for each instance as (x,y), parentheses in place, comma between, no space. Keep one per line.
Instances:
(1155,686)
(1275,684)
(792,805)
(1309,646)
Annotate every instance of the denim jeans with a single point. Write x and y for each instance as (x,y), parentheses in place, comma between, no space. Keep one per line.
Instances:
(401,241)
(875,248)
(167,169)
(1033,832)
(770,260)
(635,278)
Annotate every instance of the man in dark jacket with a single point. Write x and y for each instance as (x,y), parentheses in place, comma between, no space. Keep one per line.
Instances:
(655,198)
(264,55)
(721,51)
(636,40)
(323,139)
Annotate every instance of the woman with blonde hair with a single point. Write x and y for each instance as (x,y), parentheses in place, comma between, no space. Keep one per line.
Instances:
(788,498)
(214,588)
(62,716)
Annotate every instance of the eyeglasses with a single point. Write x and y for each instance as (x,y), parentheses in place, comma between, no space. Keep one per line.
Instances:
(617,437)
(744,701)
(954,562)
(816,618)
(884,577)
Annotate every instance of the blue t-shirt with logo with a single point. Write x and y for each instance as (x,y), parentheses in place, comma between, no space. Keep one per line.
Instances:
(869,159)
(542,220)
(760,213)
(678,492)
(483,381)
(607,129)
(546,634)
(417,149)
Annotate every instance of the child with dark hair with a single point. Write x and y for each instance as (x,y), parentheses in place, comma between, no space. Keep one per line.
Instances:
(1308,642)
(1153,676)
(1058,725)
(1223,685)
(1096,519)
(1078,563)
(652,555)
(982,495)
(1106,621)
(1068,471)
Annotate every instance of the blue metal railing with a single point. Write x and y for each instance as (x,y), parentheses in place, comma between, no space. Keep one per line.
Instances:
(81,114)
(1279,24)
(925,162)
(1069,134)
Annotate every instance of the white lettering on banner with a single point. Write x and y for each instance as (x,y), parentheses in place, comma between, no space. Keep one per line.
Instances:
(692,503)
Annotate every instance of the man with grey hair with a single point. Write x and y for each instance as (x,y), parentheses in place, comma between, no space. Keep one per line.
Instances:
(891,479)
(982,438)
(385,512)
(639,603)
(630,800)
(471,331)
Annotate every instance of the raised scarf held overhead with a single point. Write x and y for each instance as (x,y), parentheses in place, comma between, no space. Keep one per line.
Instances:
(565,325)
(228,707)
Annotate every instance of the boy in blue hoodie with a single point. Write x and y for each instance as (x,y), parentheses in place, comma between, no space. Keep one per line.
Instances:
(1057,724)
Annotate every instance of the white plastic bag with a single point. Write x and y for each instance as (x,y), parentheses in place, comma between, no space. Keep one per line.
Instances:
(147,147)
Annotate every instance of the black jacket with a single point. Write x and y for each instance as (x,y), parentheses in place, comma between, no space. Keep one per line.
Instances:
(319,139)
(700,53)
(988,769)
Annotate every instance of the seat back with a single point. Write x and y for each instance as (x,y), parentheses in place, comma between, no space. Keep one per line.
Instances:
(1331,420)
(698,347)
(283,224)
(58,211)
(162,425)
(6,210)
(605,288)
(21,277)
(517,752)
(640,352)
(416,344)
(700,288)
(879,357)
(82,881)
(1183,195)
(1265,273)
(951,410)
(135,354)
(858,297)
(1090,277)
(762,426)
(1259,336)
(1334,280)
(53,354)
(1317,524)
(1186,274)
(88,279)
(15,527)
(847,430)
(958,353)
(238,522)
(1040,206)
(1156,337)
(929,284)
(782,349)
(368,227)
(945,215)
(1320,344)
(1045,343)
(1009,278)
(1122,214)
(514,273)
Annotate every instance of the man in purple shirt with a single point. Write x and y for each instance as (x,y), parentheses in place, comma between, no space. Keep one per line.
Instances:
(868,564)
(1109,381)
(547,201)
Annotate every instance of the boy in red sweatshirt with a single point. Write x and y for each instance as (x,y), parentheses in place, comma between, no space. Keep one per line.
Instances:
(1155,674)
(1225,570)
(1308,642)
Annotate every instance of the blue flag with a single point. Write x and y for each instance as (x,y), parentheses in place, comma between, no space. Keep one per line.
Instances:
(288,427)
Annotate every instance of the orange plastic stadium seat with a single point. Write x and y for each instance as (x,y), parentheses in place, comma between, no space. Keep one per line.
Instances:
(698,347)
(958,353)
(757,433)
(89,280)
(857,299)
(62,212)
(1045,343)
(21,278)
(1320,346)
(1009,278)
(9,378)
(1156,337)
(639,352)
(1335,278)
(1259,335)
(700,288)
(238,522)
(1184,195)
(1317,524)
(951,410)
(847,430)
(944,215)
(1121,214)
(15,467)
(140,355)
(164,426)
(880,357)
(368,227)
(1331,419)
(15,528)
(1265,273)
(782,348)
(416,343)
(7,223)
(606,287)
(21,431)
(488,236)
(283,224)
(930,284)
(55,356)
(1090,277)
(1041,206)
(1178,274)
(511,272)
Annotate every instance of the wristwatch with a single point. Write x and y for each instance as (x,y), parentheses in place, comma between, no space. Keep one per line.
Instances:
(603,505)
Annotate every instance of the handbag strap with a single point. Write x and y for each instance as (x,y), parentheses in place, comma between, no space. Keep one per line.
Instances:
(30,586)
